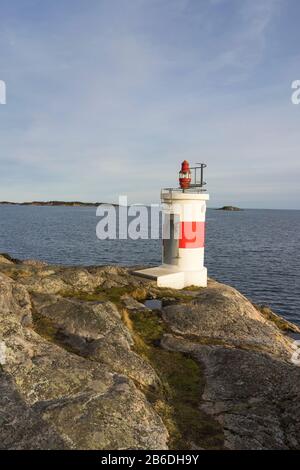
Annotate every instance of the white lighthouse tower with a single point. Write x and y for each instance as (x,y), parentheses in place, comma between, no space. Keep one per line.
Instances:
(184,211)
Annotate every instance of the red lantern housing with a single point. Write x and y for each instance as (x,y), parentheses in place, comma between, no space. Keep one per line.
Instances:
(185,175)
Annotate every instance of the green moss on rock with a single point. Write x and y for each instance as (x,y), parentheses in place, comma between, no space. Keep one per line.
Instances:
(182,385)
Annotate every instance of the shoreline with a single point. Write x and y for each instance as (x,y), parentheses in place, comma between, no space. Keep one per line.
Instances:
(57,203)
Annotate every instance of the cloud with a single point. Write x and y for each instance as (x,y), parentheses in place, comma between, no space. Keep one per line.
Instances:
(110,98)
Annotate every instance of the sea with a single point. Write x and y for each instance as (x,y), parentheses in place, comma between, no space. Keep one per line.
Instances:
(256,251)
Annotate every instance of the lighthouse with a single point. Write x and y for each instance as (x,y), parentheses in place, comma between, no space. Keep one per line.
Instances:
(183,210)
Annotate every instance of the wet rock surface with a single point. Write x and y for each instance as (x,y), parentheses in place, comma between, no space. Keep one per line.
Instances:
(85,365)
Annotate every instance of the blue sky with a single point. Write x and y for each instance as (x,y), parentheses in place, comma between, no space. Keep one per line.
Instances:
(107,97)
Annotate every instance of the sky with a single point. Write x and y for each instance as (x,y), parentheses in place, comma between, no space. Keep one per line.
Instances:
(107,97)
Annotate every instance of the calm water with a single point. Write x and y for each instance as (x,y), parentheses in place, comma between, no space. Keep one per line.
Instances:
(256,251)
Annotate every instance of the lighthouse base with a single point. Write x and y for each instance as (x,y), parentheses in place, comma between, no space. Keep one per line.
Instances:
(167,276)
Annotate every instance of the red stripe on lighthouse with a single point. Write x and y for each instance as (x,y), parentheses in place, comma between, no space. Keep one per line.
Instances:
(192,235)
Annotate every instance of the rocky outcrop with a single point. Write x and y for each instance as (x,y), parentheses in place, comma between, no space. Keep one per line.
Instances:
(85,365)
(66,396)
(252,387)
(221,315)
(254,396)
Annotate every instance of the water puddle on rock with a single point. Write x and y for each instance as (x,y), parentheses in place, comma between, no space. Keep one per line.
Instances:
(153,304)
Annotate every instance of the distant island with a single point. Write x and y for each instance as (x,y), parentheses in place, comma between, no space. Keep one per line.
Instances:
(229,208)
(56,203)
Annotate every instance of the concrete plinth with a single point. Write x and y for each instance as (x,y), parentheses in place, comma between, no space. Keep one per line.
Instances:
(167,276)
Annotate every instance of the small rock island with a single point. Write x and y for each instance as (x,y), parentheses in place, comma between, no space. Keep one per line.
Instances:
(229,208)
(84,364)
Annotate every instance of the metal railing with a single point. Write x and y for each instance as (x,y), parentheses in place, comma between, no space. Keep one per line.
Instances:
(197,175)
(197,183)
